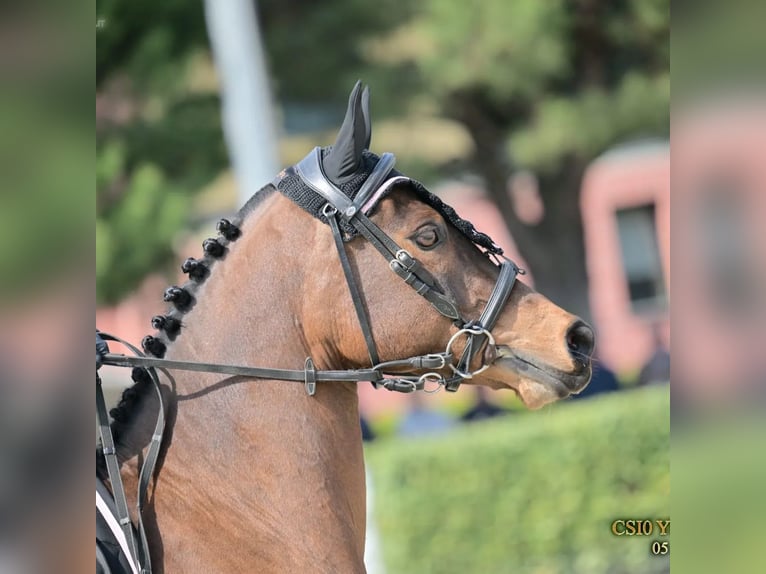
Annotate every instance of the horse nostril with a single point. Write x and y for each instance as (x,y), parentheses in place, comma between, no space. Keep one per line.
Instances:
(580,340)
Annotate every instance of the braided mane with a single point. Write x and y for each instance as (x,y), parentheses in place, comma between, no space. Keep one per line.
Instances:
(182,299)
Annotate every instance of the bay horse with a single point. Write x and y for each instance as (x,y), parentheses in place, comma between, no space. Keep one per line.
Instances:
(259,475)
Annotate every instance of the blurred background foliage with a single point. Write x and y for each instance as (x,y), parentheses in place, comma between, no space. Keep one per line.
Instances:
(542,491)
(534,85)
(718,490)
(46,149)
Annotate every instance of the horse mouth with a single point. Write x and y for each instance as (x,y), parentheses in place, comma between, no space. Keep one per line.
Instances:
(541,384)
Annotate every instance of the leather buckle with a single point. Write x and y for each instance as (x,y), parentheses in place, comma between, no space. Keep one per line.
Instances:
(406,260)
(452,384)
(310,377)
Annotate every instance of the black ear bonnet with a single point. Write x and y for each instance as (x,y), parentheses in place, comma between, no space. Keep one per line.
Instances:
(348,163)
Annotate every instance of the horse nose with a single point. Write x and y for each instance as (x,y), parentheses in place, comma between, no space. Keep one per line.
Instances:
(580,340)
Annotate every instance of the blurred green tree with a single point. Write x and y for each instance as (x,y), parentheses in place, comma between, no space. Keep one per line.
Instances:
(546,86)
(317,50)
(159,135)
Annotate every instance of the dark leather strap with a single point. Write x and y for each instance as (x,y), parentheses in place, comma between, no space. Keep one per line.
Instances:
(375,179)
(500,293)
(113,470)
(310,171)
(497,299)
(356,295)
(354,376)
(405,266)
(143,559)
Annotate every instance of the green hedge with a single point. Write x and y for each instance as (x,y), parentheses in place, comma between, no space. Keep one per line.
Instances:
(533,492)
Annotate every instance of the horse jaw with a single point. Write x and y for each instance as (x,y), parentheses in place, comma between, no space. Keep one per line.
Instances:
(535,385)
(538,368)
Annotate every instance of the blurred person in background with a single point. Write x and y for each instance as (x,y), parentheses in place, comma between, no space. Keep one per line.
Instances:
(419,420)
(367,433)
(657,368)
(482,408)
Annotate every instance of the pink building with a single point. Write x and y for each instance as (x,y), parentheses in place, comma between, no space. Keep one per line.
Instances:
(625,204)
(719,240)
(719,244)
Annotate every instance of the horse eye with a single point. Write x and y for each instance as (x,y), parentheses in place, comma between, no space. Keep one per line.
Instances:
(427,238)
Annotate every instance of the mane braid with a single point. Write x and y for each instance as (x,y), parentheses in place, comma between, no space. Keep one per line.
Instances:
(171,324)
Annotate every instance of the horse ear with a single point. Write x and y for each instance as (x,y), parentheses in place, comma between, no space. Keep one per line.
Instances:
(344,160)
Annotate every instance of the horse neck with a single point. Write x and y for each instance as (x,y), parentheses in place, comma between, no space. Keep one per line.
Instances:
(264,442)
(255,308)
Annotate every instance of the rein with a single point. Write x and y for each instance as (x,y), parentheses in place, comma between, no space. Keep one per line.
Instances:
(338,208)
(309,375)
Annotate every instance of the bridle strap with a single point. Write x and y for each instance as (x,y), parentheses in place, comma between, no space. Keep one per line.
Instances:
(401,262)
(502,290)
(109,452)
(407,267)
(375,180)
(356,295)
(500,293)
(351,376)
(140,552)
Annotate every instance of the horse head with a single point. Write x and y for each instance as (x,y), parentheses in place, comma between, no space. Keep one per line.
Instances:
(533,347)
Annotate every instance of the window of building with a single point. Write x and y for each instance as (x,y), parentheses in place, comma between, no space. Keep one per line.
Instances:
(641,258)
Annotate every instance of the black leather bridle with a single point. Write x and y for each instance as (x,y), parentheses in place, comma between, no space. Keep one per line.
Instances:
(338,208)
(353,211)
